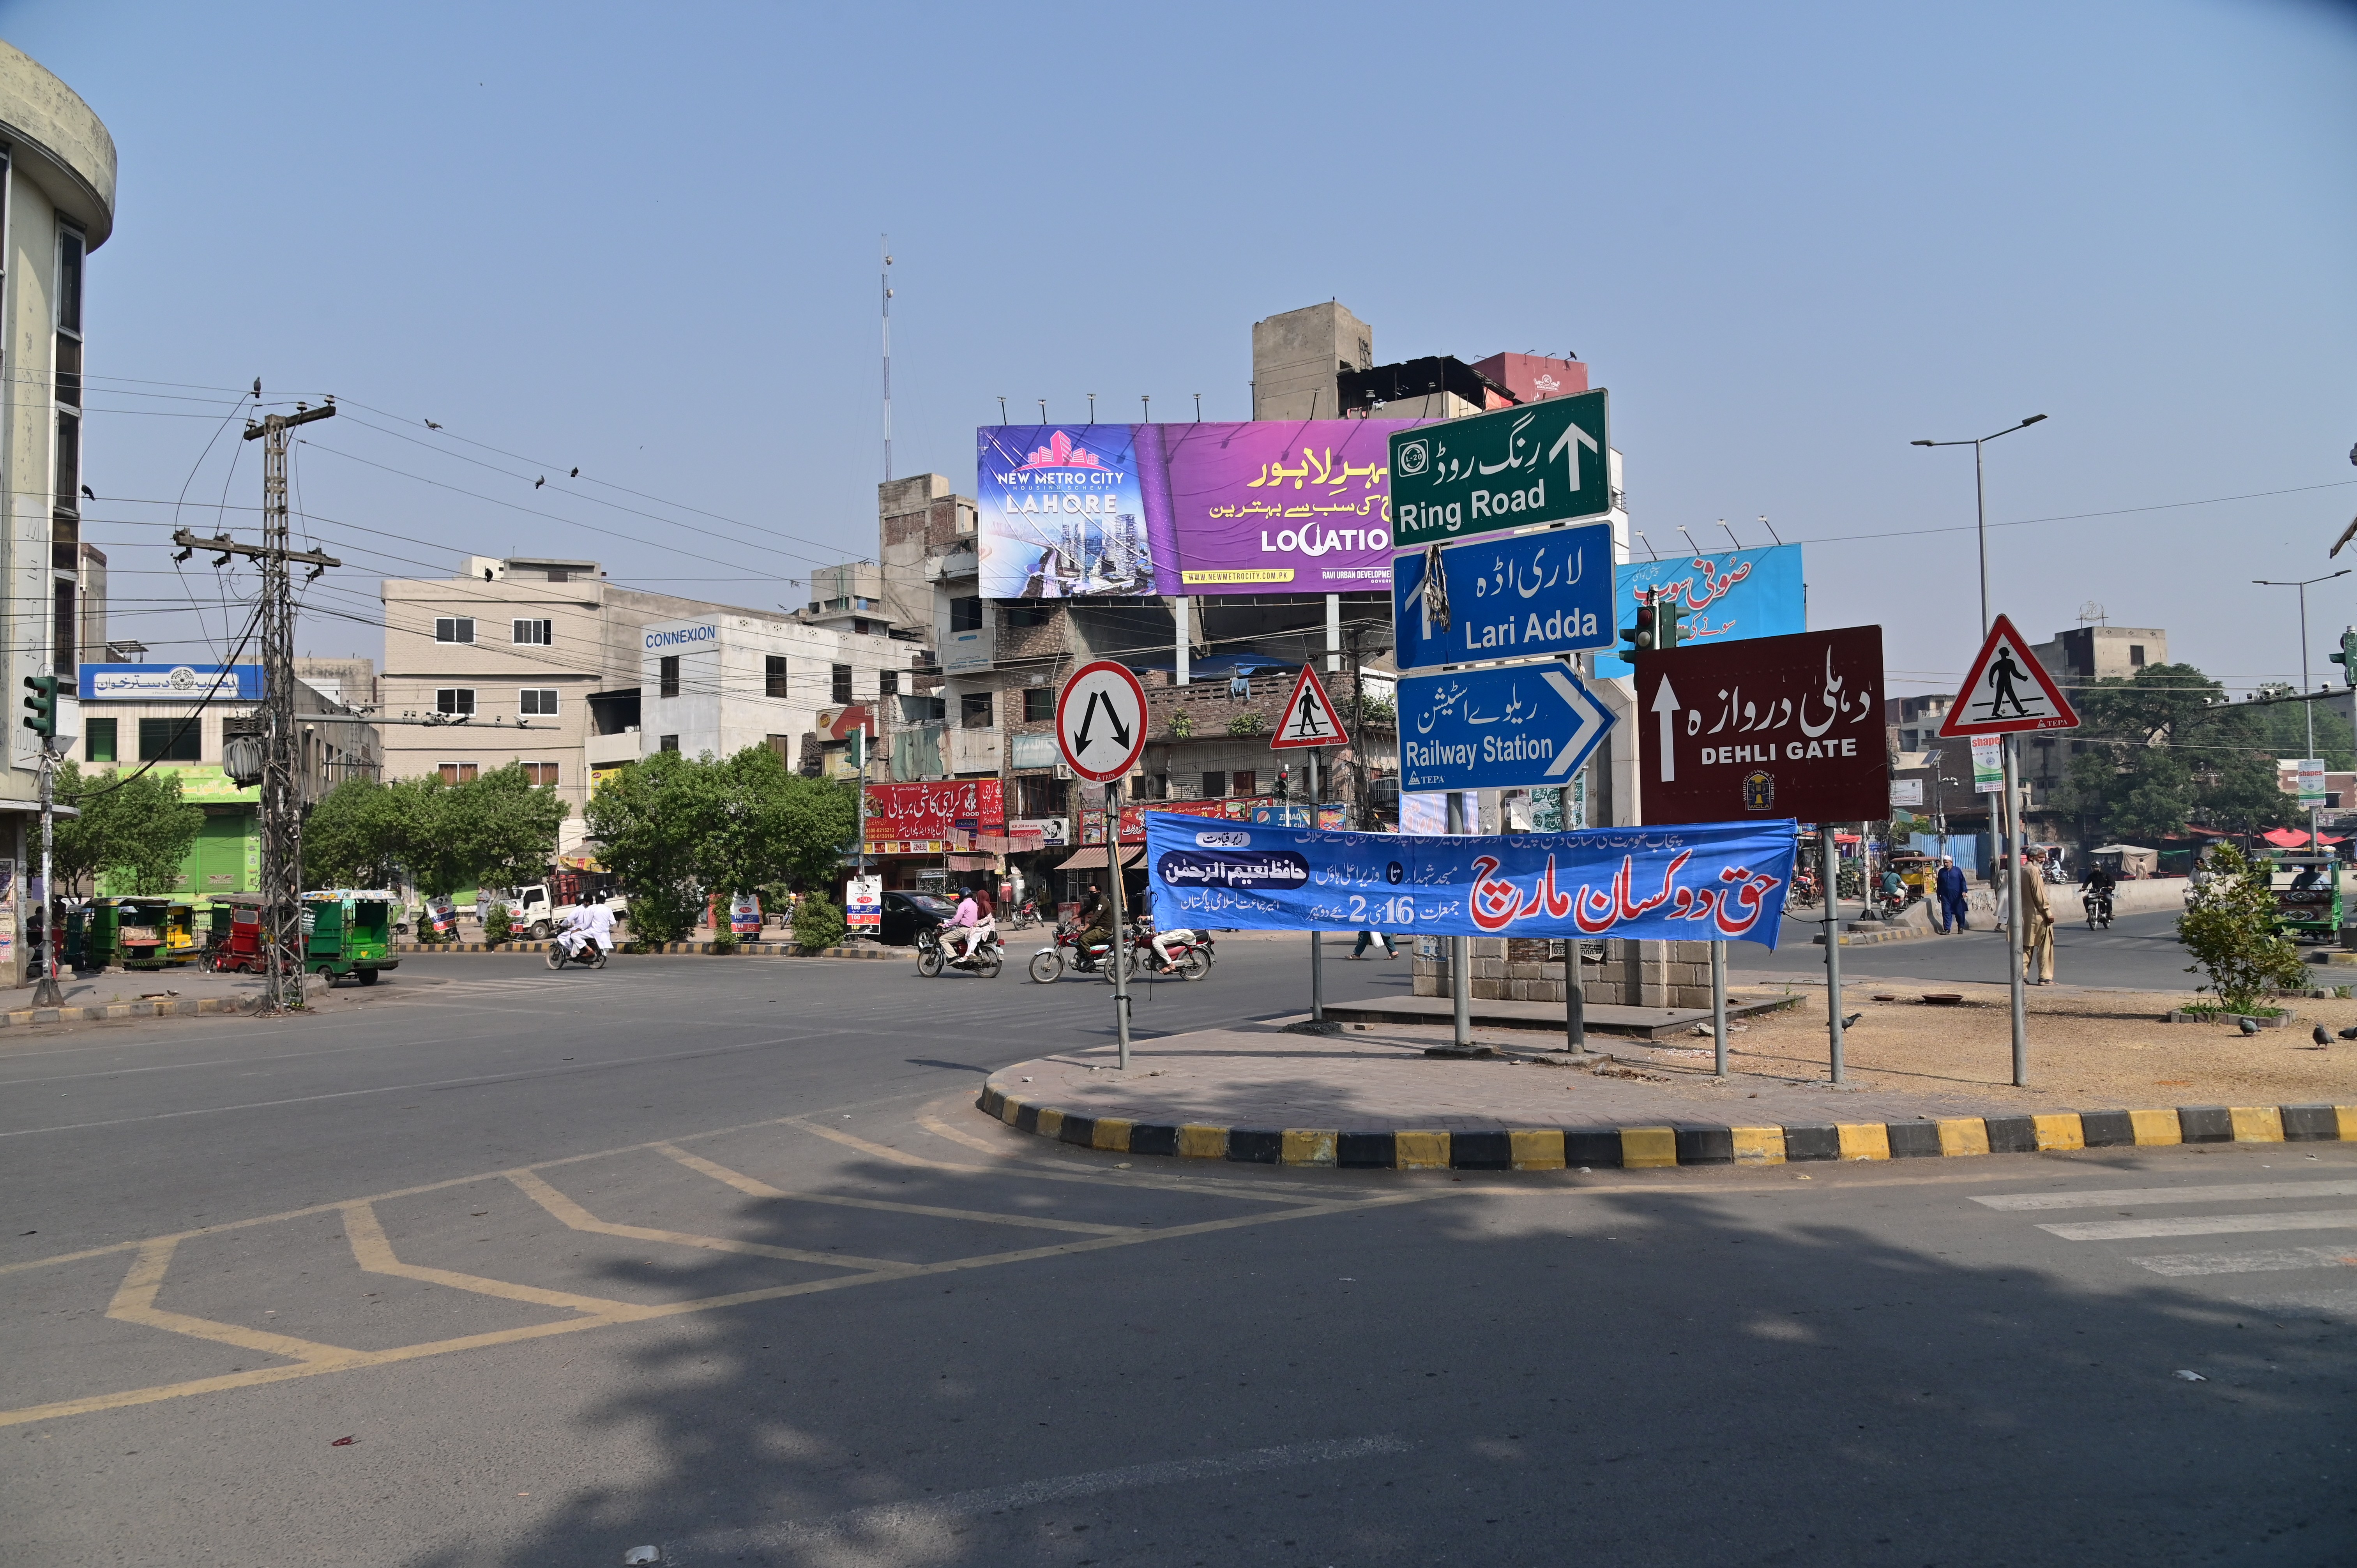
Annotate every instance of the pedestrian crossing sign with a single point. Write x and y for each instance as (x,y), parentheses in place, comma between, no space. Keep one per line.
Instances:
(2008,690)
(1309,718)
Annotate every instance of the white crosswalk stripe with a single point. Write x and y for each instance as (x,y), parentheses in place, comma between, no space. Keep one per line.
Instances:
(2183,1263)
(2134,1223)
(2202,1225)
(2131,1196)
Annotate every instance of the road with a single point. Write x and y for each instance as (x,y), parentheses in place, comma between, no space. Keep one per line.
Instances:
(2138,952)
(715,1256)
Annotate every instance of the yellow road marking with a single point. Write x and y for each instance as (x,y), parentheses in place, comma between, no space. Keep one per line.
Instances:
(754,1187)
(942,1129)
(374,1253)
(1255,1192)
(134,1302)
(580,1219)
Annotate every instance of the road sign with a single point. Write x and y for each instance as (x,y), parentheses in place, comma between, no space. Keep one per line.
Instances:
(1309,718)
(1515,727)
(1543,463)
(1773,726)
(1100,721)
(1505,599)
(2008,690)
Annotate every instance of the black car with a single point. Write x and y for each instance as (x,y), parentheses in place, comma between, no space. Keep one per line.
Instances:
(906,913)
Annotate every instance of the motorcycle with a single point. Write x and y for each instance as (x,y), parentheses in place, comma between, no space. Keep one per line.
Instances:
(587,955)
(1191,955)
(1069,953)
(2098,904)
(1025,917)
(985,957)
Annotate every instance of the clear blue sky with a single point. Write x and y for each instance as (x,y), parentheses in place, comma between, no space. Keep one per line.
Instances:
(643,239)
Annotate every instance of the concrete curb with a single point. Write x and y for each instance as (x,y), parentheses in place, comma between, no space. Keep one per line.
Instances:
(744,950)
(1682,1143)
(177,1007)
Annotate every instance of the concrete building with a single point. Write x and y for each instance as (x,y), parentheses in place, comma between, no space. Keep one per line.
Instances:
(2086,654)
(1298,355)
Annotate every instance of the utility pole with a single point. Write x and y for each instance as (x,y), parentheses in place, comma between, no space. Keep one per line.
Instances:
(282,806)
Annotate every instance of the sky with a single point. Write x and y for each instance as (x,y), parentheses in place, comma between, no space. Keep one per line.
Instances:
(644,242)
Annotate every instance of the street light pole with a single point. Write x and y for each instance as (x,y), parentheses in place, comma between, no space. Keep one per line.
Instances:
(1980,499)
(2308,703)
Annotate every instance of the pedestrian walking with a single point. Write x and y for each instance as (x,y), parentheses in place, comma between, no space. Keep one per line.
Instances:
(2037,921)
(1366,937)
(1951,886)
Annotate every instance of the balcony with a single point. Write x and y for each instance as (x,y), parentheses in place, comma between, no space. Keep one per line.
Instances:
(611,750)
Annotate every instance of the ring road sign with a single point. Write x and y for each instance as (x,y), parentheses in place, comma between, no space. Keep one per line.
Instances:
(1515,727)
(1100,722)
(1505,599)
(1544,463)
(1771,726)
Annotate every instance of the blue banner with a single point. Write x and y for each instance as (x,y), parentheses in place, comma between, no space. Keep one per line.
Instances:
(1694,882)
(1732,595)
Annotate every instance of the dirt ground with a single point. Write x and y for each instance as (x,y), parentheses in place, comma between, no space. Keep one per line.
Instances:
(2087,1049)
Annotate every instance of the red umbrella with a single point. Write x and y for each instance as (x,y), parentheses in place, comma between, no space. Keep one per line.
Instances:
(2285,838)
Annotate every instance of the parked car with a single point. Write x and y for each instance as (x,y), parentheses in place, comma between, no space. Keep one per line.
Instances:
(906,913)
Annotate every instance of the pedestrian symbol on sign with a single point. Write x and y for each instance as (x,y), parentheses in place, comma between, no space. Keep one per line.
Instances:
(1309,718)
(2008,690)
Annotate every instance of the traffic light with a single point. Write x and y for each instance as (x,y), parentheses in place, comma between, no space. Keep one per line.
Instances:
(1668,621)
(2347,657)
(1643,636)
(42,705)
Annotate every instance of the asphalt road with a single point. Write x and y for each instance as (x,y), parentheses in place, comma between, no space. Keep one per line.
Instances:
(2139,952)
(715,1256)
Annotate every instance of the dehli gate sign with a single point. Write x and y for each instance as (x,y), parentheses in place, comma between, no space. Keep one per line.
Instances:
(1544,463)
(1773,727)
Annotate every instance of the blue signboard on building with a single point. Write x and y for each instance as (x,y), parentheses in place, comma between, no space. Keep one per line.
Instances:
(1506,598)
(170,683)
(1732,595)
(1518,727)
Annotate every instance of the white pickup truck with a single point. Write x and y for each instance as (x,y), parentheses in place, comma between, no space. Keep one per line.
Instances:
(532,914)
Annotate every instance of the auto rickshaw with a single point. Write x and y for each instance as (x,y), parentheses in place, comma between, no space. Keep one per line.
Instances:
(348,931)
(1917,873)
(140,931)
(2307,886)
(236,948)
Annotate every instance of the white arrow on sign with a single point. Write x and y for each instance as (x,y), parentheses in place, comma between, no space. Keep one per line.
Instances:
(1593,718)
(1665,702)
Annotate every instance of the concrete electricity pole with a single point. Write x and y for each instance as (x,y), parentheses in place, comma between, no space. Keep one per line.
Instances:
(282,806)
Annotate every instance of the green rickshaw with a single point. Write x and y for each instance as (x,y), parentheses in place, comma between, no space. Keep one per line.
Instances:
(139,932)
(348,931)
(2307,886)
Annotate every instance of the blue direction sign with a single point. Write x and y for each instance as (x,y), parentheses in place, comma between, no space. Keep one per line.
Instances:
(1505,599)
(1518,727)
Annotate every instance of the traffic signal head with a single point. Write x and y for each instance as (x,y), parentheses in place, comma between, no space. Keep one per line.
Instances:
(1669,621)
(41,705)
(1644,637)
(2347,657)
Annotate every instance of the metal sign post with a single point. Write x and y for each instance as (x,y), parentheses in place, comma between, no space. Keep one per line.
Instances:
(1310,722)
(1101,730)
(1119,956)
(1316,939)
(1460,949)
(1829,867)
(1718,1007)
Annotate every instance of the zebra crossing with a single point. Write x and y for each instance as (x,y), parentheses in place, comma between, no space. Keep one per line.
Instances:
(2296,1206)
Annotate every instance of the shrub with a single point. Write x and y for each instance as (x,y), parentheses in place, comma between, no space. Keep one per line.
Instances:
(1246,724)
(818,923)
(1182,724)
(724,942)
(498,924)
(2229,927)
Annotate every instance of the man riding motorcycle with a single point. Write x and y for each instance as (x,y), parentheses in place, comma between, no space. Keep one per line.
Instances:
(589,923)
(967,927)
(1162,940)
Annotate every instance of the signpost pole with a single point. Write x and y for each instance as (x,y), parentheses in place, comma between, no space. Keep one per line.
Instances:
(1718,1008)
(1575,1000)
(1460,949)
(1119,956)
(1829,868)
(1316,939)
(2014,953)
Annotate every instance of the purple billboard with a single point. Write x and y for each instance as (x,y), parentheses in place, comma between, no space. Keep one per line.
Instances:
(1269,507)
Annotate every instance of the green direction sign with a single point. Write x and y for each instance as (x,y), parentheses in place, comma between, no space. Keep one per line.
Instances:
(1545,462)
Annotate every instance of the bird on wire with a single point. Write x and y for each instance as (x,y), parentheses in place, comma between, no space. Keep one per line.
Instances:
(2321,1038)
(574,475)
(431,426)
(540,481)
(89,494)
(2250,1026)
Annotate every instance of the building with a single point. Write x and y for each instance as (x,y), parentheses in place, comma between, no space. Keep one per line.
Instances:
(180,719)
(546,663)
(58,162)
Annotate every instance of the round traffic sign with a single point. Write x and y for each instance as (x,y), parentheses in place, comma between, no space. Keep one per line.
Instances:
(1100,721)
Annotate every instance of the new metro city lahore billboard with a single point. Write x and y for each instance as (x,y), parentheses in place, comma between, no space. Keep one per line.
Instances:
(1137,510)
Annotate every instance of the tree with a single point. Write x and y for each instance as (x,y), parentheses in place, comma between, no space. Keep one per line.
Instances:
(500,826)
(357,835)
(2167,750)
(133,826)
(2229,927)
(498,829)
(649,819)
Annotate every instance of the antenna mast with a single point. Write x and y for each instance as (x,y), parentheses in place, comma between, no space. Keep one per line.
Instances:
(887,286)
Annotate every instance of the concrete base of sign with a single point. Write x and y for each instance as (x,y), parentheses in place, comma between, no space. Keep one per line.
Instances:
(1530,969)
(1603,1017)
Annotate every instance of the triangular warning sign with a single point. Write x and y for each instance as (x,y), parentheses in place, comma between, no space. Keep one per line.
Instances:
(2008,690)
(1309,719)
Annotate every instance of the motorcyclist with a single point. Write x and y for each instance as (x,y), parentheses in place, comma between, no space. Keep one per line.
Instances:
(601,924)
(579,930)
(964,928)
(2099,887)
(1162,940)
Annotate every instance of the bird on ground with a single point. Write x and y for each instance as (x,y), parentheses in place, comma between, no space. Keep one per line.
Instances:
(2321,1038)
(431,426)
(2250,1026)
(2349,1033)
(1852,1019)
(540,481)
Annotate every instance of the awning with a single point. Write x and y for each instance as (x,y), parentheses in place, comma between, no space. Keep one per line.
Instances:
(1092,858)
(970,861)
(2292,838)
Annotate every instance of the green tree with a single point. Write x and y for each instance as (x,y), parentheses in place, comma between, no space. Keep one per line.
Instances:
(2167,750)
(497,829)
(501,828)
(131,826)
(649,820)
(357,835)
(818,923)
(2229,927)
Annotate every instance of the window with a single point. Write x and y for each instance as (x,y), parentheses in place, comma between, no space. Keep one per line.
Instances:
(1246,782)
(668,743)
(1040,797)
(773,675)
(842,682)
(667,676)
(69,461)
(63,656)
(965,614)
(68,391)
(973,710)
(534,631)
(1214,785)
(454,700)
(1028,612)
(539,702)
(783,745)
(887,682)
(457,772)
(100,745)
(460,629)
(1038,704)
(540,773)
(172,740)
(2135,655)
(559,575)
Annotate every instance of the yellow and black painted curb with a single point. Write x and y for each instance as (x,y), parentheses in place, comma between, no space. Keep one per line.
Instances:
(173,1007)
(1681,1144)
(744,950)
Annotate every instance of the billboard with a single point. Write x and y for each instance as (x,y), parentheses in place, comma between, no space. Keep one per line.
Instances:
(1136,510)
(170,682)
(927,812)
(1730,595)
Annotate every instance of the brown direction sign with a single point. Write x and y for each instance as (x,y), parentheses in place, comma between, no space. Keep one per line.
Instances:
(1769,726)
